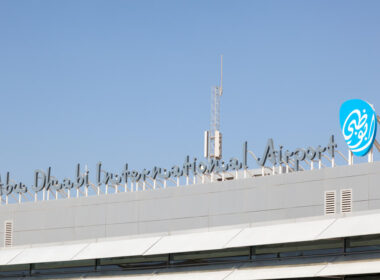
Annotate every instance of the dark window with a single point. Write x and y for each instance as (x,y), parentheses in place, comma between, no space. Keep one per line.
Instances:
(215,256)
(133,262)
(14,270)
(63,267)
(299,249)
(364,243)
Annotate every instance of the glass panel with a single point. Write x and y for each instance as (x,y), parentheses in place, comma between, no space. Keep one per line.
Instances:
(50,265)
(323,247)
(235,254)
(364,243)
(299,249)
(14,270)
(133,262)
(63,267)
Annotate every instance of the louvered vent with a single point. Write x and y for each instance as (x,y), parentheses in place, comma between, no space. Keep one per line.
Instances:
(8,234)
(330,205)
(346,200)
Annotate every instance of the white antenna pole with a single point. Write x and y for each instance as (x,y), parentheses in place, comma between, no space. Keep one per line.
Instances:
(221,75)
(213,137)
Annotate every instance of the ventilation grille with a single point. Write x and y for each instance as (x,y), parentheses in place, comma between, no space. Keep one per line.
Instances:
(8,234)
(346,200)
(330,205)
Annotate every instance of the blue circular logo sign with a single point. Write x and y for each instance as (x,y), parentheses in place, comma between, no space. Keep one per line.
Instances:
(358,123)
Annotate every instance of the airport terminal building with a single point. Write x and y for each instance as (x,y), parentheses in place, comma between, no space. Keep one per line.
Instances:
(303,214)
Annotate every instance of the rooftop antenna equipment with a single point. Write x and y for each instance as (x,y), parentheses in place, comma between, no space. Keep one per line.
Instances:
(213,137)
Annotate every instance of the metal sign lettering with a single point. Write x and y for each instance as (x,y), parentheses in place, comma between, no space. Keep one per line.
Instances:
(44,180)
(286,157)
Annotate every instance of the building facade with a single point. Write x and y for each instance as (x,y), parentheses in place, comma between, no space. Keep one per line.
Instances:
(312,223)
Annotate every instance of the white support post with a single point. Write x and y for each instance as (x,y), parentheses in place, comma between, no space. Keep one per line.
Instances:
(312,165)
(319,164)
(333,161)
(154,184)
(262,171)
(245,173)
(77,193)
(212,177)
(273,170)
(98,190)
(187,180)
(165,184)
(48,195)
(56,195)
(236,174)
(350,157)
(43,194)
(125,187)
(144,186)
(68,193)
(370,155)
(106,188)
(287,168)
(6,200)
(19,198)
(86,191)
(194,179)
(177,181)
(35,197)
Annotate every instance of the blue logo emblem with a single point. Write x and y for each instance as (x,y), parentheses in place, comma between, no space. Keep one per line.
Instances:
(358,123)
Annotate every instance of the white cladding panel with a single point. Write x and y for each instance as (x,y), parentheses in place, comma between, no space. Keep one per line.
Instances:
(194,275)
(351,268)
(124,277)
(280,233)
(353,226)
(282,272)
(299,230)
(117,248)
(48,254)
(255,199)
(199,241)
(6,255)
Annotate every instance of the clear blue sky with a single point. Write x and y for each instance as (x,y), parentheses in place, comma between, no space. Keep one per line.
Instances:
(130,81)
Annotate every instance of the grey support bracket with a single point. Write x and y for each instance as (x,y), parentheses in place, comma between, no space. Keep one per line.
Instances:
(377,144)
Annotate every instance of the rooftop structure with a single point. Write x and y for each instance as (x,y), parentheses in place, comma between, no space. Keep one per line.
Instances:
(311,213)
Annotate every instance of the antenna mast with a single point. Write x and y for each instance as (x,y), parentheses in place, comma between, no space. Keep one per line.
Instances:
(213,137)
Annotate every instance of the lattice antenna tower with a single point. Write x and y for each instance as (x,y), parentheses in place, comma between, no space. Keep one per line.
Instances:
(213,137)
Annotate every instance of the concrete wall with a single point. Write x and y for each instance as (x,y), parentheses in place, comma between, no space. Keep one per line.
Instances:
(226,203)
